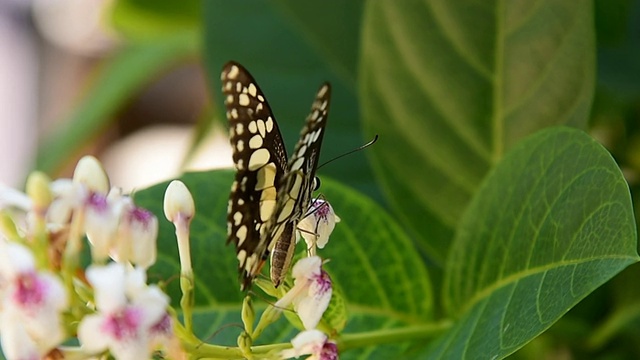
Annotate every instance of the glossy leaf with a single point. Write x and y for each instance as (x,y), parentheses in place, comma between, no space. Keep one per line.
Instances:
(549,225)
(373,265)
(290,58)
(452,85)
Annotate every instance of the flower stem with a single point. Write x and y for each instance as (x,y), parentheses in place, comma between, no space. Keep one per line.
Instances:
(350,341)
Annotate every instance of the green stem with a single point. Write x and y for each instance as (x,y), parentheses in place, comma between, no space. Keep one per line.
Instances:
(186,302)
(350,341)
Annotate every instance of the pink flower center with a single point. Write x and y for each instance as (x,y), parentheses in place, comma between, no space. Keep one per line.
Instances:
(162,327)
(140,215)
(97,201)
(124,324)
(321,210)
(30,290)
(323,282)
(329,351)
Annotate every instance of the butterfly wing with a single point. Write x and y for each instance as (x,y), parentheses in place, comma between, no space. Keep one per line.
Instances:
(260,160)
(297,185)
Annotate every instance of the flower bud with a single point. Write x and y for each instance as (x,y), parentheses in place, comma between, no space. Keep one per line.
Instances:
(39,191)
(178,202)
(90,172)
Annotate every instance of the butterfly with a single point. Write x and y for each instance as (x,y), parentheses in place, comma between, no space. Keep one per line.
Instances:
(270,193)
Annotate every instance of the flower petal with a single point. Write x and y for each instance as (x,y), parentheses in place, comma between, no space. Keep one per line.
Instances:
(311,307)
(307,268)
(307,342)
(109,286)
(91,335)
(16,342)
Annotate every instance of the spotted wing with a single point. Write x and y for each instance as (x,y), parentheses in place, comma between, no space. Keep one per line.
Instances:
(260,160)
(298,183)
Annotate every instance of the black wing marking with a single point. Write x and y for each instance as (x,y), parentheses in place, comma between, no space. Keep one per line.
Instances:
(260,159)
(294,193)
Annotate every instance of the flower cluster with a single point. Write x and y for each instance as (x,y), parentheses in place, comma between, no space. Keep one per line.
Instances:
(44,302)
(310,295)
(48,299)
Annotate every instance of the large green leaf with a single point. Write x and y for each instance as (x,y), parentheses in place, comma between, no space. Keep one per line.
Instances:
(117,81)
(324,22)
(452,85)
(549,225)
(290,58)
(373,263)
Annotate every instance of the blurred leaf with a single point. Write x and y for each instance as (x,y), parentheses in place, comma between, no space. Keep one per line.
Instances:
(551,223)
(373,264)
(626,310)
(451,86)
(290,57)
(619,47)
(324,22)
(144,19)
(612,20)
(116,83)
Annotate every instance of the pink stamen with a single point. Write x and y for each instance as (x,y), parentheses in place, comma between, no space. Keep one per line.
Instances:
(124,324)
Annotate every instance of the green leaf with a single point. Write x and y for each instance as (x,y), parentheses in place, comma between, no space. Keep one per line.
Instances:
(290,58)
(324,22)
(119,79)
(146,19)
(551,223)
(382,280)
(452,85)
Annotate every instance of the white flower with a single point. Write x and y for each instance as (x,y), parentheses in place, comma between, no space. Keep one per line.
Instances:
(179,208)
(314,343)
(137,234)
(31,306)
(317,224)
(12,198)
(311,291)
(90,173)
(101,223)
(130,313)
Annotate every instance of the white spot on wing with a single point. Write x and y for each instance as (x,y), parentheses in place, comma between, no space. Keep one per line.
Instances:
(297,164)
(286,211)
(253,128)
(233,72)
(243,99)
(266,177)
(323,91)
(242,256)
(237,218)
(302,150)
(255,142)
(258,159)
(241,234)
(253,90)
(316,134)
(266,209)
(297,185)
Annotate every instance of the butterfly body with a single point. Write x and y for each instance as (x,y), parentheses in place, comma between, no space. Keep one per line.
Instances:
(270,193)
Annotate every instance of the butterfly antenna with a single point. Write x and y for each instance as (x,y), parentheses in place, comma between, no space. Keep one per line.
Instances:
(361,147)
